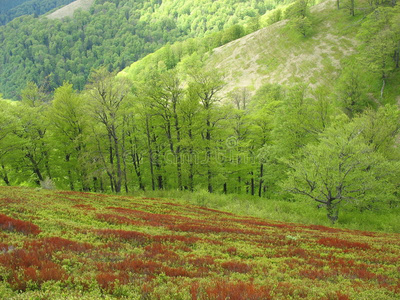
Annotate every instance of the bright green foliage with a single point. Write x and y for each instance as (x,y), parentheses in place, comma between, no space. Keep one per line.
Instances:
(69,125)
(352,91)
(381,34)
(302,25)
(300,8)
(344,167)
(7,126)
(106,96)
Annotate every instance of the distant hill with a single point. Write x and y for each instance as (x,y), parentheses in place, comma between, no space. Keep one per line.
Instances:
(13,9)
(113,33)
(6,5)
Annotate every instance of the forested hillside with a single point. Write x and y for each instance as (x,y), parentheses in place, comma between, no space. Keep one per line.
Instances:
(113,33)
(11,10)
(6,5)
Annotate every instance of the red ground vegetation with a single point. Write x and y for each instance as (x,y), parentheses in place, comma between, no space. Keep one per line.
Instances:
(11,224)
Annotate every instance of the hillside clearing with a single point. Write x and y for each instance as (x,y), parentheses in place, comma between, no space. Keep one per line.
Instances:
(68,10)
(277,55)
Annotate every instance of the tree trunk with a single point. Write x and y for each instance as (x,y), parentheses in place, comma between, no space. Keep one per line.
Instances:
(338,4)
(111,182)
(333,211)
(139,172)
(123,149)
(208,153)
(118,179)
(71,180)
(85,184)
(261,180)
(352,8)
(252,184)
(136,166)
(178,148)
(160,181)
(5,176)
(35,168)
(125,177)
(111,159)
(239,188)
(383,85)
(150,152)
(209,177)
(191,160)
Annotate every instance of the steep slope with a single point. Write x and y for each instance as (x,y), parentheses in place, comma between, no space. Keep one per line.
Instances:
(71,245)
(68,10)
(277,54)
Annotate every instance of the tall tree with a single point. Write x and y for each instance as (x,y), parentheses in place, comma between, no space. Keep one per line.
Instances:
(69,125)
(206,84)
(165,91)
(106,95)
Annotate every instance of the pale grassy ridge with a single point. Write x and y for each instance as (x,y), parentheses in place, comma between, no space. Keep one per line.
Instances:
(278,55)
(68,10)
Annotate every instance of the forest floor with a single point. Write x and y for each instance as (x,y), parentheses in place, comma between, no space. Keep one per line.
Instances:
(73,245)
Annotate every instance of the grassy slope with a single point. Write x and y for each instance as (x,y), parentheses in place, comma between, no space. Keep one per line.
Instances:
(277,54)
(71,245)
(304,212)
(68,10)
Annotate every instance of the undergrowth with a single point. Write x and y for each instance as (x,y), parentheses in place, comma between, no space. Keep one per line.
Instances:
(286,211)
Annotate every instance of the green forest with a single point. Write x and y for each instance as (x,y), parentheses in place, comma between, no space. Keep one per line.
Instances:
(11,10)
(113,34)
(167,124)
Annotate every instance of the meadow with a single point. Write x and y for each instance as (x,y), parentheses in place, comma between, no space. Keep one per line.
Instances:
(73,245)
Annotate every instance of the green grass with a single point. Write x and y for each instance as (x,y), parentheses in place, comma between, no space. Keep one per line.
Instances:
(304,212)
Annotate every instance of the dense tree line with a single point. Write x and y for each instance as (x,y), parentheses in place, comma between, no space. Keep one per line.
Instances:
(113,33)
(162,134)
(30,7)
(6,5)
